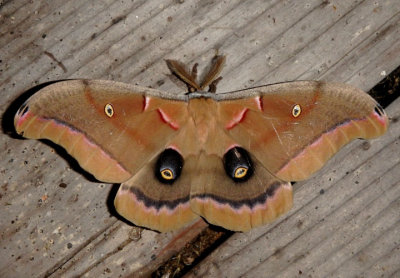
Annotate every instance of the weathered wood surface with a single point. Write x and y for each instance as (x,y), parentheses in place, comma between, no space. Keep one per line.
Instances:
(55,222)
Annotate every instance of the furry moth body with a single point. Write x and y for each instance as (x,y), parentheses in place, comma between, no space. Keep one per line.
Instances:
(228,158)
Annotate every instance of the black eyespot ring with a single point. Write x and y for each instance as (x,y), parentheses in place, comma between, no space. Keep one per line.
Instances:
(238,165)
(169,166)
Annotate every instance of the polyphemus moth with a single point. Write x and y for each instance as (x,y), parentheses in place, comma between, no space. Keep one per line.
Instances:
(227,157)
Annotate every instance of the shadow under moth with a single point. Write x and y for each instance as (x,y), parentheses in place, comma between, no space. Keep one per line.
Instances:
(226,157)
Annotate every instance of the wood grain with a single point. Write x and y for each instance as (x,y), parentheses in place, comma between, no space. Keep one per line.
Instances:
(57,222)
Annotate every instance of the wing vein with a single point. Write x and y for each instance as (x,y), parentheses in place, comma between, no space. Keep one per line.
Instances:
(279,139)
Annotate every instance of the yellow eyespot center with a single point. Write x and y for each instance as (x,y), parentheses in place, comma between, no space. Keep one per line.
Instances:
(167,174)
(240,172)
(296,111)
(109,110)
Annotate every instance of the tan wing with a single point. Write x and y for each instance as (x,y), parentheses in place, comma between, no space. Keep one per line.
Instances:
(294,128)
(112,129)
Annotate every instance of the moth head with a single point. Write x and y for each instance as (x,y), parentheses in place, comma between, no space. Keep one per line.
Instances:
(169,166)
(238,165)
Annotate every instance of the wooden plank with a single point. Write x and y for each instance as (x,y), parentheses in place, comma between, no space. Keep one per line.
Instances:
(56,222)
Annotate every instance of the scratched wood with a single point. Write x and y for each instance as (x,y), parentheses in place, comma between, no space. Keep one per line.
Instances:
(56,221)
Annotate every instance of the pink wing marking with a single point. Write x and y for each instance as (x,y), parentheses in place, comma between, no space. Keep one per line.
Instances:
(259,103)
(24,117)
(239,117)
(167,119)
(381,119)
(146,101)
(231,147)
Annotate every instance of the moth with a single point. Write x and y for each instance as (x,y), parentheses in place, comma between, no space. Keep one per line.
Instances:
(226,157)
